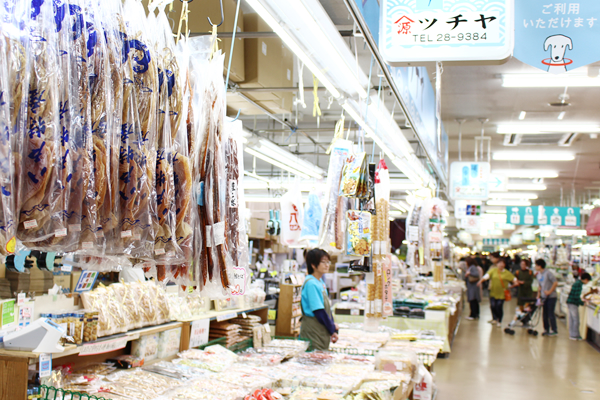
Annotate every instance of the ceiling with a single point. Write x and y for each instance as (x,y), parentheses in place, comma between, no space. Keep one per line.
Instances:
(469,93)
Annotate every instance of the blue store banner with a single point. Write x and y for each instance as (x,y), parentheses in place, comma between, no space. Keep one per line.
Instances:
(540,215)
(557,37)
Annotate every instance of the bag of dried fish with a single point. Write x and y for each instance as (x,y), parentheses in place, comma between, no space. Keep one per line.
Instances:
(41,210)
(137,158)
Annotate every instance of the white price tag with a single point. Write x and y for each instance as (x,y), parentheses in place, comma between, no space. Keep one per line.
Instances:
(219,233)
(354,311)
(199,333)
(75,227)
(66,268)
(45,365)
(20,299)
(267,328)
(126,234)
(137,236)
(225,317)
(208,236)
(32,223)
(60,232)
(87,245)
(244,315)
(159,252)
(294,279)
(233,193)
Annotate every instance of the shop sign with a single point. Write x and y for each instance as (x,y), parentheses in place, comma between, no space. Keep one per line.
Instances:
(496,242)
(464,208)
(199,332)
(103,347)
(446,30)
(469,180)
(418,96)
(557,36)
(593,225)
(540,215)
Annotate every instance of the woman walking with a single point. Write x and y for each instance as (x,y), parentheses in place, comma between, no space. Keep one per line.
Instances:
(500,279)
(473,276)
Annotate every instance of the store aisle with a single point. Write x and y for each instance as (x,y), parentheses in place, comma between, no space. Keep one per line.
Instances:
(488,364)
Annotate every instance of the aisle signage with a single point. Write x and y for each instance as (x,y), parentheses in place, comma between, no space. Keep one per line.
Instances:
(557,36)
(469,180)
(593,225)
(103,347)
(464,208)
(199,332)
(446,30)
(45,362)
(540,215)
(496,242)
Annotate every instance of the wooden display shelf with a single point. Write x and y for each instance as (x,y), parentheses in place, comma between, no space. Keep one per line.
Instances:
(285,314)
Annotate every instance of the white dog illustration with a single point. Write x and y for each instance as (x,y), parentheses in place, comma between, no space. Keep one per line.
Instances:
(558,46)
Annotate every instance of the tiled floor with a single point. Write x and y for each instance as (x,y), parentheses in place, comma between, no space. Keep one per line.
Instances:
(487,364)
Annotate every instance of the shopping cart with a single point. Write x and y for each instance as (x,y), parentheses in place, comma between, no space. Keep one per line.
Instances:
(528,316)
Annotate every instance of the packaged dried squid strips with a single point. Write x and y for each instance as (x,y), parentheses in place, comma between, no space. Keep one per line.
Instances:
(41,209)
(332,230)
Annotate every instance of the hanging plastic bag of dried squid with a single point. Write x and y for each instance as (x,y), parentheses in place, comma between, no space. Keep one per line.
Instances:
(137,159)
(333,229)
(237,241)
(381,225)
(40,191)
(9,39)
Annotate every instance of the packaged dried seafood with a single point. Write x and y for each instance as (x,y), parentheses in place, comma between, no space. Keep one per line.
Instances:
(40,189)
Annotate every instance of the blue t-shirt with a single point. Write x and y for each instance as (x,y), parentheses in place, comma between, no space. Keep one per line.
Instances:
(312,295)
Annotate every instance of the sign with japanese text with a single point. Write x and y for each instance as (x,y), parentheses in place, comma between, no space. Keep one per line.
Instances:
(199,333)
(103,347)
(540,215)
(446,30)
(557,36)
(465,208)
(469,180)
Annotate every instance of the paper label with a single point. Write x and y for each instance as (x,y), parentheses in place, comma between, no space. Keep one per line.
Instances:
(555,220)
(159,252)
(376,248)
(32,223)
(200,194)
(126,234)
(99,233)
(354,311)
(219,233)
(233,193)
(8,312)
(225,317)
(66,268)
(264,49)
(239,281)
(378,306)
(103,347)
(60,232)
(399,365)
(244,315)
(75,227)
(289,75)
(87,245)
(267,328)
(20,299)
(45,365)
(137,236)
(199,332)
(208,236)
(570,220)
(413,233)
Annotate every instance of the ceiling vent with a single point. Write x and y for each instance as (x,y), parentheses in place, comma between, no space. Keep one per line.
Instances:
(545,139)
(512,139)
(568,139)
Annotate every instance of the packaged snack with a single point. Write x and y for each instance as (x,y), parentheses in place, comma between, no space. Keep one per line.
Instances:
(359,233)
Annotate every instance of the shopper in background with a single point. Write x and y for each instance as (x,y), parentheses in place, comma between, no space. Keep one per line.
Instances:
(473,275)
(317,320)
(574,301)
(525,279)
(547,293)
(500,280)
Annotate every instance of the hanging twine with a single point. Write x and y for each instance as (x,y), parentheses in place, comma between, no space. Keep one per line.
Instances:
(316,106)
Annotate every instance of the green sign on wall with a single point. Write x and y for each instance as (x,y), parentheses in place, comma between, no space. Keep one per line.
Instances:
(541,215)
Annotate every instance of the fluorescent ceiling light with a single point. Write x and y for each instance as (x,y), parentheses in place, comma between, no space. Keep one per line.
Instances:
(548,80)
(518,196)
(532,129)
(562,114)
(571,232)
(522,115)
(308,31)
(526,173)
(276,163)
(508,203)
(533,156)
(495,211)
(526,186)
(403,186)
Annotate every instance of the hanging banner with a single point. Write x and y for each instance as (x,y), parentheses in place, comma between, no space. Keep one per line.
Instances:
(496,242)
(540,215)
(593,225)
(557,36)
(446,30)
(469,180)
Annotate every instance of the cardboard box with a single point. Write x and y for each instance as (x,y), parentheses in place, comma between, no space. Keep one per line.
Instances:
(40,286)
(37,273)
(198,23)
(63,281)
(258,228)
(263,56)
(74,279)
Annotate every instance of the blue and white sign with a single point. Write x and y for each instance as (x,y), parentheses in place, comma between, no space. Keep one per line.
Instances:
(496,242)
(557,36)
(418,96)
(540,215)
(469,180)
(446,30)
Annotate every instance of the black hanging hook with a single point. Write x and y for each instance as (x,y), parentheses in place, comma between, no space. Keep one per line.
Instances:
(222,17)
(184,1)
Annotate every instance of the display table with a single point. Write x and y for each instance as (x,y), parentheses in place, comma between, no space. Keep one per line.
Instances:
(593,325)
(14,365)
(443,323)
